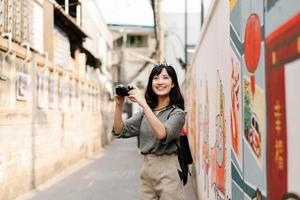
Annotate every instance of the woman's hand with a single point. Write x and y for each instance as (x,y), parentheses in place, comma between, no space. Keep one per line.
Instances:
(118,123)
(119,100)
(137,96)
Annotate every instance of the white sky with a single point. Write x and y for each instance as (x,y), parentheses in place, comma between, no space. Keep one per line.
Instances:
(133,12)
(179,5)
(139,12)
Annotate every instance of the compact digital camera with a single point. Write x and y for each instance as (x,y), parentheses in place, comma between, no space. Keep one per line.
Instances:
(122,90)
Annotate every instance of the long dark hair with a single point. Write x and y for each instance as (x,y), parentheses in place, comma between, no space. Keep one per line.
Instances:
(175,94)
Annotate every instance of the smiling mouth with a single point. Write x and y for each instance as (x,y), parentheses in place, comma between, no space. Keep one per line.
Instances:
(160,88)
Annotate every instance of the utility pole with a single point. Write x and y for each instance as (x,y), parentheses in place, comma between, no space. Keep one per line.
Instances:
(185,32)
(161,33)
(120,69)
(202,13)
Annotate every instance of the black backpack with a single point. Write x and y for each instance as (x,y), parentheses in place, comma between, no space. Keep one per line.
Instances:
(184,158)
(184,155)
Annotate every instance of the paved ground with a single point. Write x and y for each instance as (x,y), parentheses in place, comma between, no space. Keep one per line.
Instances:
(110,175)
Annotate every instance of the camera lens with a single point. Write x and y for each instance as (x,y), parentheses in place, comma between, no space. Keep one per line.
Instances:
(122,90)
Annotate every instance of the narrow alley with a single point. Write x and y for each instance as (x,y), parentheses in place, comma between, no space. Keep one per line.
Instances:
(112,174)
(234,67)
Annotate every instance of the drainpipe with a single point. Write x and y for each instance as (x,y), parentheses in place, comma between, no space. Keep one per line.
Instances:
(185,32)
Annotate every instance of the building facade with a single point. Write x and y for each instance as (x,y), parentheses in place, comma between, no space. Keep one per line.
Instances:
(241,101)
(133,58)
(53,101)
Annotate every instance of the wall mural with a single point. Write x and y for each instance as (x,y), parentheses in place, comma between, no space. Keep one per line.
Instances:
(248,125)
(282,73)
(205,144)
(253,119)
(235,109)
(251,176)
(193,119)
(252,97)
(218,150)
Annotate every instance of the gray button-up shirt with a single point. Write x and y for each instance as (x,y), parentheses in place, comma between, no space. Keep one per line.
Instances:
(173,119)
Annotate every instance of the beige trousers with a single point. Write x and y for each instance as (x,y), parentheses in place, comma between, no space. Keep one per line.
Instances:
(159,179)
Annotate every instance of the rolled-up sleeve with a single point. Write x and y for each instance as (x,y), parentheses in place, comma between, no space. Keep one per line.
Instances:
(131,126)
(174,125)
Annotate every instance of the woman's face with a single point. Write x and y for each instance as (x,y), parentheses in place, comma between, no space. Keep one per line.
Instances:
(162,83)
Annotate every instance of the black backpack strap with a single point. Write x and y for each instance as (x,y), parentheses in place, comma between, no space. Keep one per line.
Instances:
(171,112)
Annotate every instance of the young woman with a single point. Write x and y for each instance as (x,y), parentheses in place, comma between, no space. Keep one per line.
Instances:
(158,125)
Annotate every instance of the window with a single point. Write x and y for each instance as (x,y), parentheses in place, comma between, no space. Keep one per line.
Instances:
(117,43)
(74,9)
(36,32)
(137,41)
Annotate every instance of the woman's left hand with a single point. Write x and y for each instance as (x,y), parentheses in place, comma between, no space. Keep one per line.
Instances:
(136,95)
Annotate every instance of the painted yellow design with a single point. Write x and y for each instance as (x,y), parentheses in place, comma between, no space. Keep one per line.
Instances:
(278,115)
(232,4)
(279,154)
(298,44)
(273,58)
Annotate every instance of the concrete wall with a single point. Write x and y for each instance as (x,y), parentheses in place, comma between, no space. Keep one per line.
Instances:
(241,100)
(46,124)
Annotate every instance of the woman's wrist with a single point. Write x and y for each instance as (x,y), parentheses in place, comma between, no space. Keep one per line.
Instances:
(119,106)
(144,105)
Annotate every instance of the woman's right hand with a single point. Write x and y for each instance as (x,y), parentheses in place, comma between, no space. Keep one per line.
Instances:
(119,100)
(118,123)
